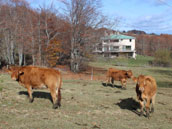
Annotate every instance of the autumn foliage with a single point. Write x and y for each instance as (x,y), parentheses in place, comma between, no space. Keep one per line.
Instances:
(53,52)
(47,37)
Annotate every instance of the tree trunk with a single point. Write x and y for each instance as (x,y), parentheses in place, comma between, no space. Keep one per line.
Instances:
(40,46)
(12,52)
(20,53)
(75,61)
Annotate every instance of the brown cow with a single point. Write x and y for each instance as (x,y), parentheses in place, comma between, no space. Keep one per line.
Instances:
(109,74)
(32,77)
(122,76)
(146,89)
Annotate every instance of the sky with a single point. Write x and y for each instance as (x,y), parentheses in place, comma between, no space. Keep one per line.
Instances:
(151,16)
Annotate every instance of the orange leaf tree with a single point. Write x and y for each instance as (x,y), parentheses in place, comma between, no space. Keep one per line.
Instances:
(53,52)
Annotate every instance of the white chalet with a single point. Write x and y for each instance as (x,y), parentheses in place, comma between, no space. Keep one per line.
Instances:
(115,45)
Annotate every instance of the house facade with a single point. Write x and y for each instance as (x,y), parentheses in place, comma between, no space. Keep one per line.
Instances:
(115,45)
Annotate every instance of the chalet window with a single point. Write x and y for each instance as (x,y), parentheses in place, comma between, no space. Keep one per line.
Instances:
(114,40)
(99,48)
(128,47)
(111,48)
(106,48)
(115,47)
(130,40)
(106,41)
(130,54)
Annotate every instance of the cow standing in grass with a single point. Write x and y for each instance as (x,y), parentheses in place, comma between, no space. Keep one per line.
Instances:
(146,89)
(122,76)
(109,74)
(32,77)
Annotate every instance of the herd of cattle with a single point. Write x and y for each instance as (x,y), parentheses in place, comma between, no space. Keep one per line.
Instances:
(32,77)
(146,87)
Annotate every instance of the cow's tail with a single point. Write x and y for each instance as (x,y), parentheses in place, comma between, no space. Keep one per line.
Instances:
(59,91)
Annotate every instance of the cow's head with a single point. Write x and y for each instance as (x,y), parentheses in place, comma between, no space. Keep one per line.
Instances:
(16,74)
(142,81)
(8,70)
(12,68)
(129,73)
(134,79)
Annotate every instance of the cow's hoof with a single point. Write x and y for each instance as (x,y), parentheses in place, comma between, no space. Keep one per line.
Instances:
(123,88)
(59,104)
(55,106)
(141,114)
(31,100)
(147,115)
(152,110)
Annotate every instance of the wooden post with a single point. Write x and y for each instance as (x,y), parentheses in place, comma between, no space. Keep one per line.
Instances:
(92,74)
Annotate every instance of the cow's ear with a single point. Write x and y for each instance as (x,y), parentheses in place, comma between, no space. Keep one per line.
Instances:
(21,72)
(8,71)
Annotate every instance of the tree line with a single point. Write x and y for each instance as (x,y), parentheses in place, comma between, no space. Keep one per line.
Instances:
(46,36)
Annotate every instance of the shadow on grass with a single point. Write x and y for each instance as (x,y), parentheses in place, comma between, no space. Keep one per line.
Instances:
(38,94)
(113,86)
(129,104)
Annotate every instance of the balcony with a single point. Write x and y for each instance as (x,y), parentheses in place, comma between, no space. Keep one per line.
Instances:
(118,50)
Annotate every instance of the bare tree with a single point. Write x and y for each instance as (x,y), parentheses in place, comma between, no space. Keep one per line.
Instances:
(83,16)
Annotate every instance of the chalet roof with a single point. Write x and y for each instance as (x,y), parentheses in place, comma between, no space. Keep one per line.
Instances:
(118,36)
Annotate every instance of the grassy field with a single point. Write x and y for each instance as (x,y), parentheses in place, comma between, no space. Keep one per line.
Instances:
(86,104)
(141,61)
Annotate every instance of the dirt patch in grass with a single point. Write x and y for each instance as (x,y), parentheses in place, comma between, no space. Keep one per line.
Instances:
(92,73)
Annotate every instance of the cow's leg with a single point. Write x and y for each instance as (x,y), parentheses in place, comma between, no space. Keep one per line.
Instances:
(123,83)
(108,79)
(53,95)
(112,81)
(29,90)
(153,103)
(148,107)
(141,107)
(58,93)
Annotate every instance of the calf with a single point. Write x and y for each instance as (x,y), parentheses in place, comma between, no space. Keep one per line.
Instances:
(109,74)
(122,76)
(32,77)
(146,89)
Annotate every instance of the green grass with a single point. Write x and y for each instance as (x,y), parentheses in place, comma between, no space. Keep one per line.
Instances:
(85,104)
(140,61)
(88,104)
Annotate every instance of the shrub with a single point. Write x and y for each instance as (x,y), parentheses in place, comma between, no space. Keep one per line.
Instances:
(163,58)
